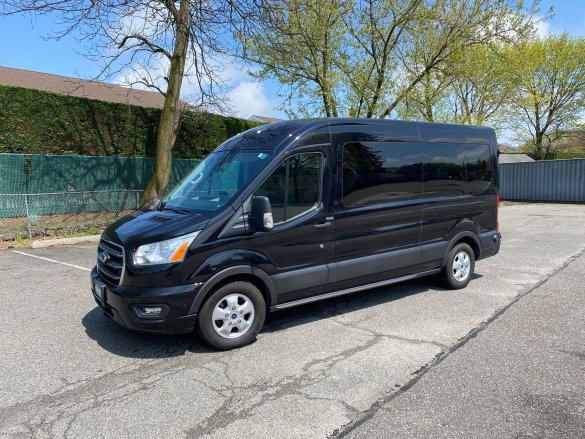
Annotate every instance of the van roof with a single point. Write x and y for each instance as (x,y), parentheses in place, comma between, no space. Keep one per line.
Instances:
(275,135)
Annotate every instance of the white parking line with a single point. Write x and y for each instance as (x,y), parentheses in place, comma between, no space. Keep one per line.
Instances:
(50,260)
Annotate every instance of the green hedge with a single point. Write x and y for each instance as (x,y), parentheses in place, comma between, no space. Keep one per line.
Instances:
(38,122)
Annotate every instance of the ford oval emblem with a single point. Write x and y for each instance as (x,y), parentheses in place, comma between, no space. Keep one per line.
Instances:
(103,257)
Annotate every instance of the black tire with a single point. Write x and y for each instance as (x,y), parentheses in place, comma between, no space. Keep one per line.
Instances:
(451,276)
(206,326)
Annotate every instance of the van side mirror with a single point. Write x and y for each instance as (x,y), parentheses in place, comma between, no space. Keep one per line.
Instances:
(261,215)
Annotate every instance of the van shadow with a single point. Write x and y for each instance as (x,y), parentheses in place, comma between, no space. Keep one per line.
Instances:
(125,343)
(122,342)
(362,300)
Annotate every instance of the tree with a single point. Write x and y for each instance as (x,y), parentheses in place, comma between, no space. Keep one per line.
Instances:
(430,100)
(156,43)
(472,88)
(376,29)
(549,74)
(365,57)
(300,43)
(481,86)
(444,43)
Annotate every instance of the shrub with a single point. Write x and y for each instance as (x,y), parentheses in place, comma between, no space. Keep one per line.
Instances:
(39,122)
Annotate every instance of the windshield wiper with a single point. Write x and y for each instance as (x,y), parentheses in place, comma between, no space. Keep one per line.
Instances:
(177,210)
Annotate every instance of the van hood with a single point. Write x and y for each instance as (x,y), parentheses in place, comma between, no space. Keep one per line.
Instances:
(143,227)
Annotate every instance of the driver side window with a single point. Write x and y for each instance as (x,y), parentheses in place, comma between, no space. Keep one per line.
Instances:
(294,187)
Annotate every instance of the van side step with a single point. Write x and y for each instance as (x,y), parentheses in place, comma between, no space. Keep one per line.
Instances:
(351,290)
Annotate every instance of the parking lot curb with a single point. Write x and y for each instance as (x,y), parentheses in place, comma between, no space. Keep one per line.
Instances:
(45,243)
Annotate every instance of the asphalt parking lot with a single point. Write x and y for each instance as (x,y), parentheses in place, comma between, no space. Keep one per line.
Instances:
(315,371)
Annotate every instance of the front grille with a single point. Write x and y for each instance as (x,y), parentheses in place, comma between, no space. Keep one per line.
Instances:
(111,269)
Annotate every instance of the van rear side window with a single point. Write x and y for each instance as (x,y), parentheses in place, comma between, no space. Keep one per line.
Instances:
(444,169)
(456,169)
(382,172)
(379,172)
(479,168)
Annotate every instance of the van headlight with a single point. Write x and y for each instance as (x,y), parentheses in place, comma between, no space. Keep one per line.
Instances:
(164,252)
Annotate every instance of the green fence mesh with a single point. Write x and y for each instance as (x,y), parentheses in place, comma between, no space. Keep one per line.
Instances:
(12,177)
(39,190)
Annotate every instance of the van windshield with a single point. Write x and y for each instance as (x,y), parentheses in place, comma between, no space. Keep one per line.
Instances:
(216,180)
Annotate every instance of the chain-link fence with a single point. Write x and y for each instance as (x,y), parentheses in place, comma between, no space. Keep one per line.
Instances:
(61,195)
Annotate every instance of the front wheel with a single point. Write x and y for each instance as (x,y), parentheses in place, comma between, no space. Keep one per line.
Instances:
(459,267)
(232,316)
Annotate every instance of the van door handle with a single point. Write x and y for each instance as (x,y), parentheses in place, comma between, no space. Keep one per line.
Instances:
(322,225)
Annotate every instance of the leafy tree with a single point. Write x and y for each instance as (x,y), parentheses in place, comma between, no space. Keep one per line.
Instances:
(481,87)
(569,145)
(156,43)
(365,57)
(376,31)
(300,43)
(472,88)
(431,99)
(443,30)
(549,74)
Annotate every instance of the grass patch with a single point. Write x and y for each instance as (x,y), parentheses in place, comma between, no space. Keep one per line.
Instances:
(15,232)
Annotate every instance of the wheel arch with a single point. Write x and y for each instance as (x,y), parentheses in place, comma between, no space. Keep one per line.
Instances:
(233,274)
(468,238)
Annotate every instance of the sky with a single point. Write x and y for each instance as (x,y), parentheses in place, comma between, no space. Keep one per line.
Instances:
(24,46)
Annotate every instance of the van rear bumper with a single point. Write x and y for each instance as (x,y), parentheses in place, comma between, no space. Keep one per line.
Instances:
(120,303)
(490,243)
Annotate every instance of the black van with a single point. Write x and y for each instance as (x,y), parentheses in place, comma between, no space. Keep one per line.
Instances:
(298,211)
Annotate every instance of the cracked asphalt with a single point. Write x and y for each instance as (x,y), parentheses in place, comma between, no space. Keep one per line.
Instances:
(323,370)
(520,376)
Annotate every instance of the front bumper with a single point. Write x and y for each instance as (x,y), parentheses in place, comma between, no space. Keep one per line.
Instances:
(118,303)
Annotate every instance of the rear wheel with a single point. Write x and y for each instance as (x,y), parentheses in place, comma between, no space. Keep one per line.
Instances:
(232,316)
(459,267)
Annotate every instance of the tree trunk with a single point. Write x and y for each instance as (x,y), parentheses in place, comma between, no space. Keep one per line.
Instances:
(405,92)
(538,148)
(328,102)
(170,116)
(428,100)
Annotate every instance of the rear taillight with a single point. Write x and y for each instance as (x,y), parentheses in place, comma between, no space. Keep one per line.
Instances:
(498,212)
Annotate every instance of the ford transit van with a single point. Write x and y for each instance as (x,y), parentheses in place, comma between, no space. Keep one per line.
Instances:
(299,211)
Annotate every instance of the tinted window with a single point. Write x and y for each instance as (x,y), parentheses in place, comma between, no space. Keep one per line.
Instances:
(479,168)
(376,172)
(293,188)
(263,137)
(216,180)
(444,169)
(274,188)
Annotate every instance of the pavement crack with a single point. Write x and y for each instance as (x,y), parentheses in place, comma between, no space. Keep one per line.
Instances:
(58,410)
(234,407)
(579,355)
(344,430)
(390,336)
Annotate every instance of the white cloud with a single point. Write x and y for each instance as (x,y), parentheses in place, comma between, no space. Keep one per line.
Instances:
(248,98)
(241,95)
(543,28)
(552,26)
(230,89)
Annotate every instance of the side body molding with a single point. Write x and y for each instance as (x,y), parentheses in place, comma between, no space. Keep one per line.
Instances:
(229,272)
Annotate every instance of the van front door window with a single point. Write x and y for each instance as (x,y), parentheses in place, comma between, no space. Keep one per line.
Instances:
(293,188)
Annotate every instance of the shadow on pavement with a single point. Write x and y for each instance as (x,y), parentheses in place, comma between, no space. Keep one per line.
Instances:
(120,341)
(125,343)
(345,304)
(352,302)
